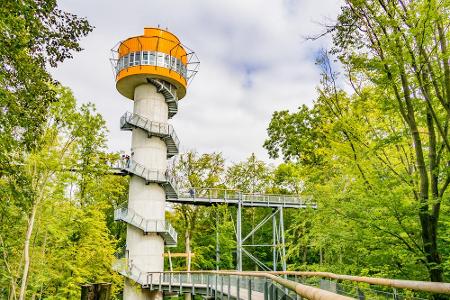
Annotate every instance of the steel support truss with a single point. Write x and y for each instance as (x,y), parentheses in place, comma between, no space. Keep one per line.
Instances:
(278,241)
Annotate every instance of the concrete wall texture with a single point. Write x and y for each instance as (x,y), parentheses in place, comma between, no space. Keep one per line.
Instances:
(145,251)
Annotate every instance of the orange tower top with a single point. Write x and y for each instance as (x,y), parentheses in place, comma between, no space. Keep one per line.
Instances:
(158,54)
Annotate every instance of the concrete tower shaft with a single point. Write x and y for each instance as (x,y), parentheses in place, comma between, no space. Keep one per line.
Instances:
(146,251)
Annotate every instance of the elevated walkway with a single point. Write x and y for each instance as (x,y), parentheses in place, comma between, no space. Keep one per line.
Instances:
(126,167)
(165,131)
(162,227)
(169,92)
(290,285)
(213,196)
(225,284)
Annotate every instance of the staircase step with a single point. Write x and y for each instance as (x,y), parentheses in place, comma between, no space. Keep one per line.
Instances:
(162,227)
(131,120)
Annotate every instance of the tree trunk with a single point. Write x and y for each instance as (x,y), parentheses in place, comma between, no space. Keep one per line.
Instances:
(26,251)
(97,291)
(188,249)
(305,254)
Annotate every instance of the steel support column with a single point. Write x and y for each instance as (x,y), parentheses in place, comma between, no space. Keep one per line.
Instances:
(217,239)
(283,246)
(239,235)
(274,241)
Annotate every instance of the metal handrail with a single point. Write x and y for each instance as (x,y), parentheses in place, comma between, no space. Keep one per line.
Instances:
(422,286)
(157,128)
(136,168)
(302,290)
(233,194)
(124,62)
(203,279)
(130,216)
(166,87)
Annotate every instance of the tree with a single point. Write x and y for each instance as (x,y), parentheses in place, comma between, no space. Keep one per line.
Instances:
(252,176)
(364,187)
(199,172)
(249,176)
(288,179)
(285,136)
(34,33)
(402,46)
(66,226)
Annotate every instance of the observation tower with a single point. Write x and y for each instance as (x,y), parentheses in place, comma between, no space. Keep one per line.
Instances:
(153,70)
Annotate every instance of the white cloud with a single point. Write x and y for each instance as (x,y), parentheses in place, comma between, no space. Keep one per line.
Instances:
(254,61)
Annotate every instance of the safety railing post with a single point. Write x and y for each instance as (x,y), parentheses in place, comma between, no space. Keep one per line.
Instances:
(170,282)
(266,289)
(160,281)
(249,288)
(181,285)
(215,289)
(238,288)
(207,285)
(395,294)
(151,281)
(229,287)
(221,287)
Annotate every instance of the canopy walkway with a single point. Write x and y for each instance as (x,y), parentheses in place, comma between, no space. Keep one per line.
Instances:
(277,285)
(214,196)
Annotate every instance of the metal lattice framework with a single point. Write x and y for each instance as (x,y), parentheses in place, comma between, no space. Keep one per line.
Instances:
(216,196)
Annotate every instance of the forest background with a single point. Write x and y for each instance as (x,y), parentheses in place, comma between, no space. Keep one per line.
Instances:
(375,158)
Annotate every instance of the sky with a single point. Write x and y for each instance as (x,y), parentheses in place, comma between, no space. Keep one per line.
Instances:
(254,60)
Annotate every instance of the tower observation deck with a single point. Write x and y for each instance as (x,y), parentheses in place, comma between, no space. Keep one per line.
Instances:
(153,70)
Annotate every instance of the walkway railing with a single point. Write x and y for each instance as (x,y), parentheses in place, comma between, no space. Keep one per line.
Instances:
(276,285)
(163,130)
(156,176)
(226,285)
(162,227)
(420,286)
(234,196)
(170,94)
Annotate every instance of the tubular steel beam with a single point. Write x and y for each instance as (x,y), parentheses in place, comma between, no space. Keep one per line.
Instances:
(239,237)
(283,246)
(274,240)
(423,286)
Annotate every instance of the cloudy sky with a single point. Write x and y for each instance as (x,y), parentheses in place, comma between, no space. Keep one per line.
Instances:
(254,61)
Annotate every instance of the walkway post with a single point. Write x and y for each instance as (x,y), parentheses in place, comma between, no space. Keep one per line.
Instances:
(217,239)
(283,246)
(239,234)
(274,239)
